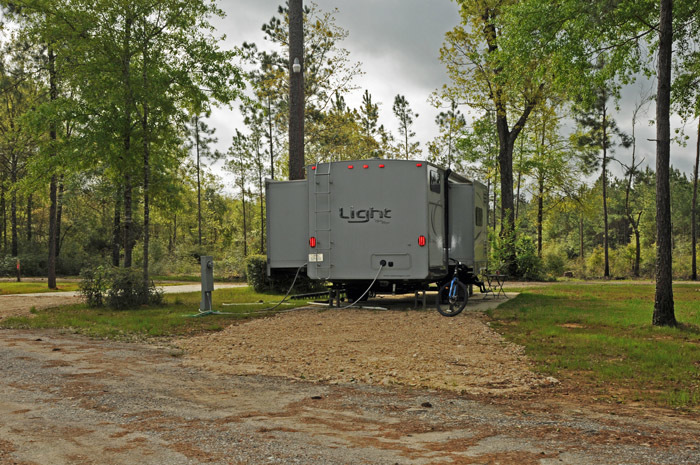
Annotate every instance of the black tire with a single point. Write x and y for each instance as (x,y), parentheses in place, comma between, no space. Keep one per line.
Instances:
(454,307)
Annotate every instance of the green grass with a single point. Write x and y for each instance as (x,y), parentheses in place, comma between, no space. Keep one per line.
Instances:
(168,320)
(600,339)
(31,287)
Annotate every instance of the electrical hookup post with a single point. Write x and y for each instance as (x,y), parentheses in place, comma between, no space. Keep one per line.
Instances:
(205,305)
(19,276)
(207,263)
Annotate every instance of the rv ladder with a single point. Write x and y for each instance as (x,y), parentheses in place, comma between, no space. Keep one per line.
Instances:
(322,219)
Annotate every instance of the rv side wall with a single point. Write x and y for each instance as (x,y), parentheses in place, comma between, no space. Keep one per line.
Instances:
(287,223)
(468,224)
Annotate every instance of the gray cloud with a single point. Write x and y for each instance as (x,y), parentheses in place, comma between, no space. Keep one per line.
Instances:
(398,43)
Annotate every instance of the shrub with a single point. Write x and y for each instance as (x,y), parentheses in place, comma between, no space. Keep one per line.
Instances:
(256,272)
(128,290)
(31,264)
(527,264)
(595,262)
(94,283)
(554,260)
(118,288)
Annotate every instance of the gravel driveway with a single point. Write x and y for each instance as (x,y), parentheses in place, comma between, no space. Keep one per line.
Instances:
(73,400)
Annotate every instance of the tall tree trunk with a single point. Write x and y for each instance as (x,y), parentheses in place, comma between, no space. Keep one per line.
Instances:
(128,221)
(3,207)
(262,212)
(199,182)
(694,210)
(147,170)
(495,208)
(520,174)
(664,313)
(296,90)
(540,214)
(29,218)
(270,135)
(606,272)
(175,230)
(505,160)
(116,228)
(638,250)
(245,226)
(580,237)
(126,136)
(13,220)
(59,215)
(53,95)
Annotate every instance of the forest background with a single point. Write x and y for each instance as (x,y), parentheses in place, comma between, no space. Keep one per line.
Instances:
(108,155)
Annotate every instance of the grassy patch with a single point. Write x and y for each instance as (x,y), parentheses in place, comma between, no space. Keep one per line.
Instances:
(170,319)
(600,338)
(34,287)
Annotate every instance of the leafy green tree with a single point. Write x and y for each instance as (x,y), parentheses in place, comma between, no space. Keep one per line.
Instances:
(473,54)
(239,164)
(19,93)
(328,70)
(267,82)
(551,165)
(478,155)
(202,137)
(595,141)
(686,101)
(406,117)
(450,124)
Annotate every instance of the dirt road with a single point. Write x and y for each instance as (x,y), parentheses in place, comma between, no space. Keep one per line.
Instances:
(72,400)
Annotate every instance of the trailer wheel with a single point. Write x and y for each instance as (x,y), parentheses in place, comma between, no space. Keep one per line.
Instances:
(452,306)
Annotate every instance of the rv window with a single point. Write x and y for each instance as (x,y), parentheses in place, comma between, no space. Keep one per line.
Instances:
(435,181)
(479,220)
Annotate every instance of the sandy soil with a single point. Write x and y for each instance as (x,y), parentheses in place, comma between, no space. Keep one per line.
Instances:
(69,400)
(411,348)
(315,386)
(20,305)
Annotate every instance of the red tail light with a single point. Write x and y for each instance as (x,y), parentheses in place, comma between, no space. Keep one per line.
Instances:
(421,241)
(381,166)
(419,165)
(350,167)
(313,167)
(365,166)
(312,242)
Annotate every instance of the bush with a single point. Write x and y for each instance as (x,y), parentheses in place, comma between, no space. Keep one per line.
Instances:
(527,264)
(31,264)
(118,288)
(94,283)
(256,272)
(554,260)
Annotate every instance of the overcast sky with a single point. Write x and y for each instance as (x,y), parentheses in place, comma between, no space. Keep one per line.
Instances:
(398,44)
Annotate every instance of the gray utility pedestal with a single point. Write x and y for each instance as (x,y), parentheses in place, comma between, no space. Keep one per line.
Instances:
(207,282)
